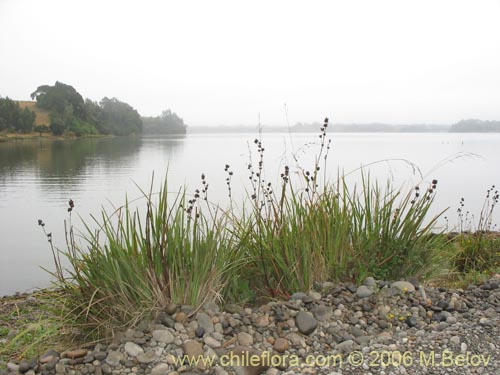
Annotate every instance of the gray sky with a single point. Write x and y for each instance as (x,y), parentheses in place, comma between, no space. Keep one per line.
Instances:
(224,62)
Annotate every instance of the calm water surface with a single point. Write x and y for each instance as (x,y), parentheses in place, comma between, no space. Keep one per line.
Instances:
(37,178)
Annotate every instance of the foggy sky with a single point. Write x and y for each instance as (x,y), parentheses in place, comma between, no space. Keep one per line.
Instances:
(225,62)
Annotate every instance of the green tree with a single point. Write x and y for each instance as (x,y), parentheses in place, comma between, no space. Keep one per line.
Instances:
(68,111)
(12,118)
(58,97)
(26,121)
(91,112)
(118,118)
(57,124)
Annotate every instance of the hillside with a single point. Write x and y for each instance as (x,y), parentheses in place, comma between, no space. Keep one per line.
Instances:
(42,115)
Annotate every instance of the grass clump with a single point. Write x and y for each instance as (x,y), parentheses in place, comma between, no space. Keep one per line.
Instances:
(476,245)
(134,265)
(343,234)
(314,232)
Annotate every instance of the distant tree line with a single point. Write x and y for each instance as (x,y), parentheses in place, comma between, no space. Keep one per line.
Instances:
(167,123)
(476,126)
(70,113)
(15,119)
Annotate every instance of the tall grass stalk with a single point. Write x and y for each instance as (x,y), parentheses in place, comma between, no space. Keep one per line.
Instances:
(136,264)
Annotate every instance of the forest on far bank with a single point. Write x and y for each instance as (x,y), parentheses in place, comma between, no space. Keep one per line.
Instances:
(60,109)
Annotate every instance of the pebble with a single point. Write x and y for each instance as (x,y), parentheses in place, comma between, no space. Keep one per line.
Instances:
(281,345)
(147,357)
(132,349)
(211,342)
(245,339)
(404,286)
(205,322)
(160,369)
(305,322)
(163,336)
(114,358)
(77,353)
(363,291)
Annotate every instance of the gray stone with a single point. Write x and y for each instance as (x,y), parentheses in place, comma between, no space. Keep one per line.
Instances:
(24,366)
(160,369)
(369,282)
(404,286)
(351,288)
(322,313)
(233,308)
(100,356)
(171,309)
(411,321)
(114,357)
(298,295)
(345,346)
(132,349)
(147,357)
(105,368)
(60,368)
(164,336)
(357,331)
(281,344)
(363,291)
(315,295)
(205,321)
(296,340)
(48,356)
(12,367)
(245,339)
(262,320)
(211,342)
(192,348)
(305,322)
(199,332)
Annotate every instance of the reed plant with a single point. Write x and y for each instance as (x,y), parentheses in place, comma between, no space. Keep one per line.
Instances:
(343,233)
(309,232)
(477,244)
(135,264)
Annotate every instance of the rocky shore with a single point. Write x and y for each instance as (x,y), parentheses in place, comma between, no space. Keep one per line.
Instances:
(374,328)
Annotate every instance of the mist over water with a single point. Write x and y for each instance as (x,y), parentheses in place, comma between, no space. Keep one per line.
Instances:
(38,177)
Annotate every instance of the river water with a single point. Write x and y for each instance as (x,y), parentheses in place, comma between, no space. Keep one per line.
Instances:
(38,177)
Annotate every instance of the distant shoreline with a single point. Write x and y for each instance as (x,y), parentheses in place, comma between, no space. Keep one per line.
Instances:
(242,130)
(10,137)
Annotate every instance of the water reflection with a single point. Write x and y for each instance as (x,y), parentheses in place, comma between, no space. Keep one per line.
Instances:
(66,158)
